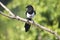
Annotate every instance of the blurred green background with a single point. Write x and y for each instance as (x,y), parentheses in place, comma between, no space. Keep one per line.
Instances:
(47,14)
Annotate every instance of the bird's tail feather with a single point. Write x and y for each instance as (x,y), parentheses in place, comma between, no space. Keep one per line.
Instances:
(27,27)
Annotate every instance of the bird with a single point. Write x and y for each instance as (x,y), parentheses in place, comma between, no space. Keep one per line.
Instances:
(30,12)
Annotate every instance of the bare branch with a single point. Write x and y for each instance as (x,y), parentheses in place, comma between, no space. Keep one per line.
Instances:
(24,20)
(31,22)
(6,9)
(4,14)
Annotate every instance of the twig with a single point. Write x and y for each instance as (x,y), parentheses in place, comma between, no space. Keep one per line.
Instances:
(6,9)
(24,20)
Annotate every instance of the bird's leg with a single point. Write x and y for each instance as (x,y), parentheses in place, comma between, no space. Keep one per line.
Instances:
(33,21)
(27,20)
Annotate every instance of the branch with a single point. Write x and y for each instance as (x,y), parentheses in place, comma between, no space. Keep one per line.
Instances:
(24,20)
(6,9)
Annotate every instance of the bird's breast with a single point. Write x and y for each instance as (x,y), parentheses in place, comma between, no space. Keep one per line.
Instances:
(30,15)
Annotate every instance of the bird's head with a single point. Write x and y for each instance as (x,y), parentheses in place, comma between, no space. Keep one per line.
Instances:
(29,8)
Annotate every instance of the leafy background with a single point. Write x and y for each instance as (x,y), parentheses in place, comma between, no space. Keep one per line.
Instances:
(47,14)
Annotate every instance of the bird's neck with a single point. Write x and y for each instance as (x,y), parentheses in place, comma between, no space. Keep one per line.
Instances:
(30,12)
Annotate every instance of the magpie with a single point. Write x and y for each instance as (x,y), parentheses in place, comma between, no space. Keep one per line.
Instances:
(30,12)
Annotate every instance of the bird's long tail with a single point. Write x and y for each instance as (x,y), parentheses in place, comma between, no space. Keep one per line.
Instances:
(27,26)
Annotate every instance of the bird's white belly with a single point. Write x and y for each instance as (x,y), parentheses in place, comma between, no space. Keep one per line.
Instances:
(30,15)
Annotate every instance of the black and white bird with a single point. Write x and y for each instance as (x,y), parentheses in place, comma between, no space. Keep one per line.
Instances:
(30,14)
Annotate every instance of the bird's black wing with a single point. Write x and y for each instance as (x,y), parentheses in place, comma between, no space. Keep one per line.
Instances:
(35,12)
(26,12)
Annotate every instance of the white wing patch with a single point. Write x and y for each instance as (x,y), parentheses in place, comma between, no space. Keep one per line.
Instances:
(30,15)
